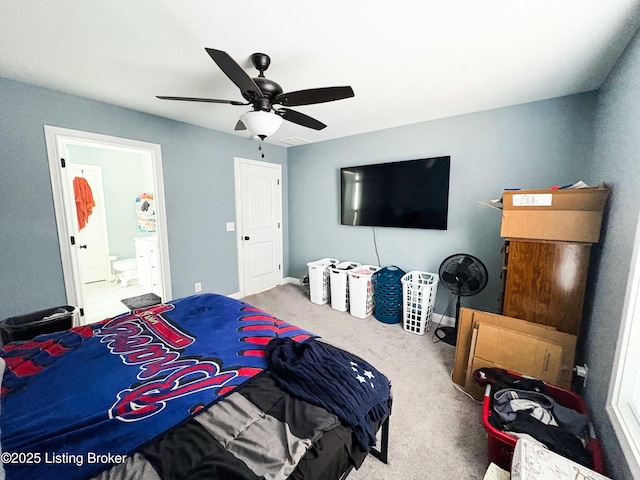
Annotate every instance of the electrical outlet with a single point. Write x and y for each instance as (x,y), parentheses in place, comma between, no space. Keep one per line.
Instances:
(198,287)
(582,371)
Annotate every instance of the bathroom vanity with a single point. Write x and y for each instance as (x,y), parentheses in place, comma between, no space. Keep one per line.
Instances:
(147,262)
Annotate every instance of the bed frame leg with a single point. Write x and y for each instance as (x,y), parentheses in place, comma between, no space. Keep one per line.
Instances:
(346,474)
(382,454)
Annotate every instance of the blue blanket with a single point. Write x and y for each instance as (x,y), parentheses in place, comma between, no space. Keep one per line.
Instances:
(332,378)
(76,402)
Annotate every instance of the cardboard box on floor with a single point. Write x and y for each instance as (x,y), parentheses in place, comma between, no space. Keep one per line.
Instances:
(571,215)
(532,333)
(504,348)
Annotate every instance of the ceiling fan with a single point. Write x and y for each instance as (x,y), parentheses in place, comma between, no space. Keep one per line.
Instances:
(263,94)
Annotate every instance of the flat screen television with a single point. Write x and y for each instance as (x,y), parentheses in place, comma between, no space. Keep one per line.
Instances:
(407,194)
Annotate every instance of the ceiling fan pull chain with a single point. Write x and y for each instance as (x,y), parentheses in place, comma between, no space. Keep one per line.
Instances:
(260,148)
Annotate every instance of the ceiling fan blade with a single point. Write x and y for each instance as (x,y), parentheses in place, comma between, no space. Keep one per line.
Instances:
(300,119)
(240,126)
(207,100)
(235,72)
(313,95)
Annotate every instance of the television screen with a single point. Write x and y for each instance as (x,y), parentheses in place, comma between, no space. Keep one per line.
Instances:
(408,194)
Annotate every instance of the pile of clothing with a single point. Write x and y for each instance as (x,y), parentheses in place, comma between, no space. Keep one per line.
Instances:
(523,408)
(327,376)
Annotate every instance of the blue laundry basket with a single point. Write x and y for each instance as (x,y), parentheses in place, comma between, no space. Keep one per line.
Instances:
(387,294)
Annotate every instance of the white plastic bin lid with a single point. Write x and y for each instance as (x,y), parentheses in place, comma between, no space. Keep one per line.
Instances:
(325,262)
(345,266)
(364,270)
(419,277)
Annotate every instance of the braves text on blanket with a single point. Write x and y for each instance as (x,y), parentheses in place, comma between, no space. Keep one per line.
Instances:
(76,402)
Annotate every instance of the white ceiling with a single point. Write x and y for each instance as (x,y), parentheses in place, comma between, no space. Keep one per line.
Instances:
(407,61)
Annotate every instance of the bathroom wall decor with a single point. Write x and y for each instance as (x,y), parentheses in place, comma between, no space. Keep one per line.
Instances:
(145,212)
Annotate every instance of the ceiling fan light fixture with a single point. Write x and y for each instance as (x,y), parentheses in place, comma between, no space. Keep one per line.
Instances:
(261,123)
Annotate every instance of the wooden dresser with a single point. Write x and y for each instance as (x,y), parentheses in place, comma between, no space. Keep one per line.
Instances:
(545,281)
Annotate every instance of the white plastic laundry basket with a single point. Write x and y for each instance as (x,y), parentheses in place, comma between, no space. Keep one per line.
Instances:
(419,297)
(361,290)
(339,284)
(319,279)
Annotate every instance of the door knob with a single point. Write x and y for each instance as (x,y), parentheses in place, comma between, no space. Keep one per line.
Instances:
(83,246)
(247,238)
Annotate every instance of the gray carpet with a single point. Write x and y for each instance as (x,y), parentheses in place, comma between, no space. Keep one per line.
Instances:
(435,430)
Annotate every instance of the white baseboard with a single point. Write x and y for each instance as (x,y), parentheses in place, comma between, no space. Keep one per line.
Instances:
(445,321)
(295,281)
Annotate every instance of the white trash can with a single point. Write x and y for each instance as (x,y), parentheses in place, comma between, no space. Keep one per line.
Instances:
(339,284)
(361,290)
(319,279)
(419,297)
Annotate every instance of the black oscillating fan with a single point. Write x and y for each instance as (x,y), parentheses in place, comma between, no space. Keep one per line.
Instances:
(463,275)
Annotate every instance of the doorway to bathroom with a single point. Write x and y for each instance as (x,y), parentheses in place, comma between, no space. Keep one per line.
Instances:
(109,203)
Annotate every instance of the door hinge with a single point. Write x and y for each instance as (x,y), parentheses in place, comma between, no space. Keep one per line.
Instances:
(279,267)
(278,181)
(72,239)
(63,164)
(81,312)
(278,224)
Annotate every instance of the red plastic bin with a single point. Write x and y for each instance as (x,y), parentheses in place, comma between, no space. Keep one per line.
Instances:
(500,445)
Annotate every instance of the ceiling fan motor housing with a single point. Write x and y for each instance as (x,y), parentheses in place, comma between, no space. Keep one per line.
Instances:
(270,90)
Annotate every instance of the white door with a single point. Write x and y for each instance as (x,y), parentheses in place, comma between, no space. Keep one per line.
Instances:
(57,140)
(259,208)
(92,239)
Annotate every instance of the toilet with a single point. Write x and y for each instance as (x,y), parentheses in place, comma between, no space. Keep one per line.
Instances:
(127,270)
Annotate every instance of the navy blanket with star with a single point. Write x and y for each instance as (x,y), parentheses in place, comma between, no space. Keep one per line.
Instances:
(111,387)
(332,378)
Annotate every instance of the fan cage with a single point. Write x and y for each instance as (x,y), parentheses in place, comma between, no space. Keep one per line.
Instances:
(476,269)
(419,298)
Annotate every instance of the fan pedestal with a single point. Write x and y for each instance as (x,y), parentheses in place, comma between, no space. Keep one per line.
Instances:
(448,335)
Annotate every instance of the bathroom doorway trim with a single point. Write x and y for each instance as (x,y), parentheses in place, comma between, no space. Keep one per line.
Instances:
(57,140)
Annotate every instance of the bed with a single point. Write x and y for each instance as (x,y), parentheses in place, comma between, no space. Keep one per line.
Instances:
(203,387)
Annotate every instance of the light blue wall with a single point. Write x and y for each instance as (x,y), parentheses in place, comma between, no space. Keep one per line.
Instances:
(616,160)
(536,145)
(199,193)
